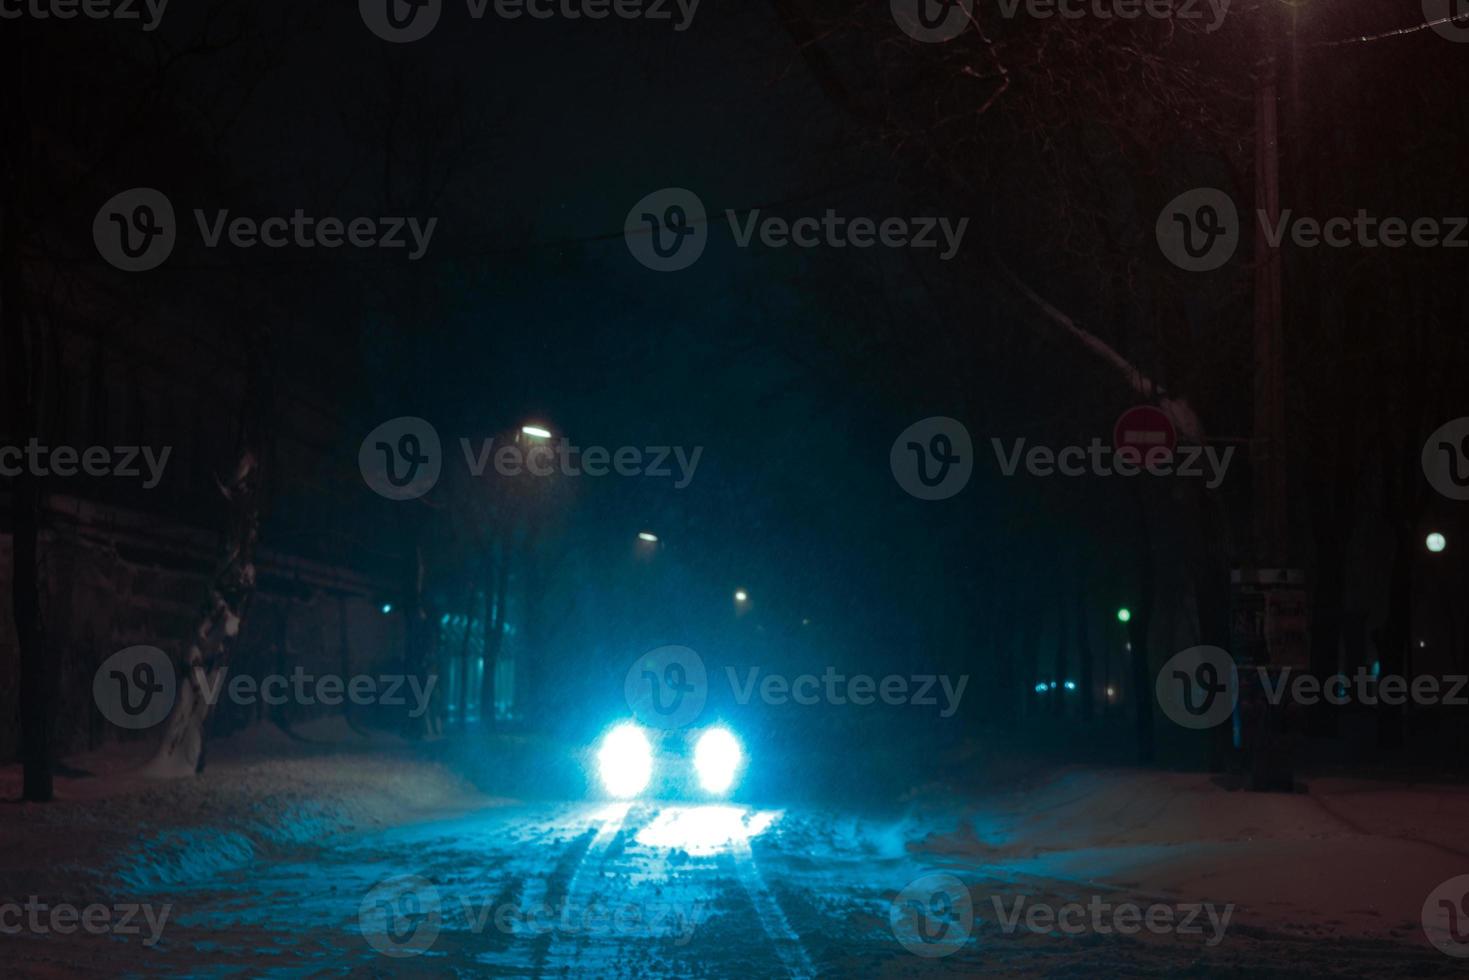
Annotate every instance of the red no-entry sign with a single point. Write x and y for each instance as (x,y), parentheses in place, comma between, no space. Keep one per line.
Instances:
(1142,430)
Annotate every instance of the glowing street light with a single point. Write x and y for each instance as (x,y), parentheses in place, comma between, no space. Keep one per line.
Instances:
(648,536)
(536,431)
(741,595)
(1124,614)
(1435,542)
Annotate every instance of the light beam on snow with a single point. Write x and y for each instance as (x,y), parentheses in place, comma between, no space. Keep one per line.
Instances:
(707,829)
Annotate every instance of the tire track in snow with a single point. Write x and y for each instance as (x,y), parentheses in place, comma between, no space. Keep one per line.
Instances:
(772,918)
(565,949)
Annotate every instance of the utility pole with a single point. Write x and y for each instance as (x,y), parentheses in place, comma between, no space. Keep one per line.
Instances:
(1267,449)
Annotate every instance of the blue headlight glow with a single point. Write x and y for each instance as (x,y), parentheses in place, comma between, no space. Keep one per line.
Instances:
(717,760)
(625,761)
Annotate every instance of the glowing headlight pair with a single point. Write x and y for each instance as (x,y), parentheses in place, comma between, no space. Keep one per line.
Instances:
(625,760)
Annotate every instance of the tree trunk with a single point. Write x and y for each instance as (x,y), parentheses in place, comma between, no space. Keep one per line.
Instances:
(1137,634)
(182,751)
(1088,679)
(37,679)
(496,589)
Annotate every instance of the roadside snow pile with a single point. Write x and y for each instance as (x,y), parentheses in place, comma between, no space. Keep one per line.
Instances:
(1345,858)
(262,791)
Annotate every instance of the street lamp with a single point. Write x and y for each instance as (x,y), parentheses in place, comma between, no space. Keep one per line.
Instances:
(536,431)
(1124,614)
(648,536)
(1435,542)
(741,595)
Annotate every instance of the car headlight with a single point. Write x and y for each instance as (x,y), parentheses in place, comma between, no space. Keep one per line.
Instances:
(625,760)
(717,759)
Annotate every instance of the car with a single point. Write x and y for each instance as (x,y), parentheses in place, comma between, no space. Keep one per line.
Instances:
(631,761)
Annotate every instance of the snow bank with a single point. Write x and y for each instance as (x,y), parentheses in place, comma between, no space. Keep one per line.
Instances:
(1344,859)
(263,791)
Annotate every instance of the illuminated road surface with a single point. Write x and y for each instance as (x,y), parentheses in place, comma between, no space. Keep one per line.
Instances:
(639,890)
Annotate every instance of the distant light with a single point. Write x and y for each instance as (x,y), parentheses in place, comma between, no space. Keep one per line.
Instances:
(1376,668)
(805,621)
(536,431)
(1422,644)
(741,595)
(1124,614)
(648,536)
(387,608)
(1071,685)
(1435,542)
(1053,685)
(1128,646)
(1111,691)
(1041,688)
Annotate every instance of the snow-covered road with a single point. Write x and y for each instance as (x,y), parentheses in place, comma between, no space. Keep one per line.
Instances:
(658,890)
(382,863)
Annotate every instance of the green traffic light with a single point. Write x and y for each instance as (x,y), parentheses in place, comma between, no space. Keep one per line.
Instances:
(1124,614)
